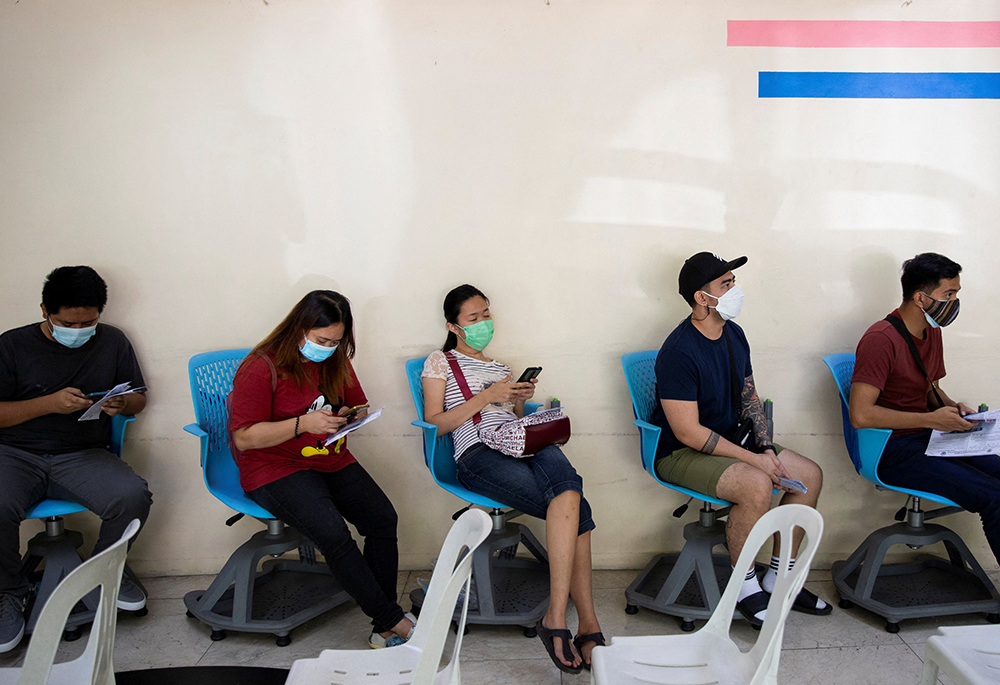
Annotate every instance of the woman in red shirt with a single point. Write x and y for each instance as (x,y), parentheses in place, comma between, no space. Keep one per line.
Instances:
(289,394)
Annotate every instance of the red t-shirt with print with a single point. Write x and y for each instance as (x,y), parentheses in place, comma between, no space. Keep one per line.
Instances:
(252,401)
(884,360)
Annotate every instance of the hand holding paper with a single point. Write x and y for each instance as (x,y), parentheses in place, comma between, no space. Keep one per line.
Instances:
(118,391)
(353,426)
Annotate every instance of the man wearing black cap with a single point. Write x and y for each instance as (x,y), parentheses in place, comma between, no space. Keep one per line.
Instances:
(715,438)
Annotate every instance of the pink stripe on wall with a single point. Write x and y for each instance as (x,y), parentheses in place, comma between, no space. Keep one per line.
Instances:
(865,34)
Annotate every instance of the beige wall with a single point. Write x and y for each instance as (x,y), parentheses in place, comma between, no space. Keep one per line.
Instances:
(216,160)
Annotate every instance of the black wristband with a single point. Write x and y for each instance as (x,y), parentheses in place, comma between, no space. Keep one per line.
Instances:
(297,426)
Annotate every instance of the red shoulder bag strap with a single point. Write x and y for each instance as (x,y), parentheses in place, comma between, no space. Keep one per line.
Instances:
(456,371)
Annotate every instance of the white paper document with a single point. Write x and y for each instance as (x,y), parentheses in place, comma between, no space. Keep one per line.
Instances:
(353,426)
(94,411)
(981,440)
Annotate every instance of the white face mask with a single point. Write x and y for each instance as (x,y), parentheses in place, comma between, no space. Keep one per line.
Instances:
(730,304)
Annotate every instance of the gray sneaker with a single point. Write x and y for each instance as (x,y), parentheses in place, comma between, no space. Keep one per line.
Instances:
(11,621)
(130,597)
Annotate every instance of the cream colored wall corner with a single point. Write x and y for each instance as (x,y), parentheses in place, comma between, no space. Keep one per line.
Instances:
(216,160)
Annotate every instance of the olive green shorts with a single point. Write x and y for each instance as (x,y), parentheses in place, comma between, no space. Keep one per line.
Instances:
(695,470)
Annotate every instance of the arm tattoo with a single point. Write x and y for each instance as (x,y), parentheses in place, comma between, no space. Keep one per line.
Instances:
(753,409)
(709,446)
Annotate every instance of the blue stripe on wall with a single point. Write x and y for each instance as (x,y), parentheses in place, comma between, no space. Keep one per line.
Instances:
(878,85)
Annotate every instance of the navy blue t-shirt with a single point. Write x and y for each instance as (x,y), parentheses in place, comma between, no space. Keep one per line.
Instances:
(692,368)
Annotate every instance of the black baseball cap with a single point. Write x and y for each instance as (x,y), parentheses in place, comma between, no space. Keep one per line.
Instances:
(701,269)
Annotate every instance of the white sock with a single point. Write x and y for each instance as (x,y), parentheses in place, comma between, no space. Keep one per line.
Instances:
(771,577)
(750,586)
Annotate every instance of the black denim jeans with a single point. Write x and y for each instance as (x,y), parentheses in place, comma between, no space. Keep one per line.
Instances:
(972,482)
(319,505)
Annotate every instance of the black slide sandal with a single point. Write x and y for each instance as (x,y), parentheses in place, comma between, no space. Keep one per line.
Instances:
(806,603)
(546,635)
(751,605)
(581,640)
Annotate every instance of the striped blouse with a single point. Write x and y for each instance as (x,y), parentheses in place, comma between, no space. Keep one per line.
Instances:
(479,375)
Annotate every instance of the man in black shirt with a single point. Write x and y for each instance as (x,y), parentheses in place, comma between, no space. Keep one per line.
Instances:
(49,373)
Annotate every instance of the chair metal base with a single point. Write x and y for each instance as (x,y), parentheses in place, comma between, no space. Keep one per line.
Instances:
(57,547)
(517,587)
(688,585)
(929,586)
(279,598)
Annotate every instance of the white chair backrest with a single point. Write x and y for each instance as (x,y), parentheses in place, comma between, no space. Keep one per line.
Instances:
(451,573)
(95,664)
(783,520)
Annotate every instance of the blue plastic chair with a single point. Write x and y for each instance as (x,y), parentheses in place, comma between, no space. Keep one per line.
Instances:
(520,587)
(58,547)
(689,584)
(929,586)
(284,594)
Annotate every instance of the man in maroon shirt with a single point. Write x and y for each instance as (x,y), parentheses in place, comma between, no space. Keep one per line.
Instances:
(891,388)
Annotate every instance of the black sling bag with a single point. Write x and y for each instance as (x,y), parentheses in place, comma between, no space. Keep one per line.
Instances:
(900,327)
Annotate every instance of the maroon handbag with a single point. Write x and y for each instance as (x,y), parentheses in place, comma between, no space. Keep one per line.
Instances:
(522,437)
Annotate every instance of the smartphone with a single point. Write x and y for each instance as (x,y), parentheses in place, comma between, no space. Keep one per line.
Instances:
(353,411)
(529,373)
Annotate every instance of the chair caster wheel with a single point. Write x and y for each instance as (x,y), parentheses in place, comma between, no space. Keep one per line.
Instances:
(283,640)
(993,618)
(189,614)
(687,626)
(218,635)
(71,635)
(631,609)
(454,629)
(530,632)
(845,604)
(139,613)
(755,627)
(891,627)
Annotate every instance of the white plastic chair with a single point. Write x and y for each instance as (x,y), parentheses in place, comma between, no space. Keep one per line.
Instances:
(969,655)
(417,661)
(709,655)
(95,664)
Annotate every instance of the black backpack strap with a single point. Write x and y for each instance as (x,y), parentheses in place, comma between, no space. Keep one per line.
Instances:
(900,327)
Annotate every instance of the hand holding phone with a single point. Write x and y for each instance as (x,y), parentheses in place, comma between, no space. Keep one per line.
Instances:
(529,374)
(353,411)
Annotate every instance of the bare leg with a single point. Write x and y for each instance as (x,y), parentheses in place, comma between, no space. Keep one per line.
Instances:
(749,489)
(562,521)
(582,592)
(809,472)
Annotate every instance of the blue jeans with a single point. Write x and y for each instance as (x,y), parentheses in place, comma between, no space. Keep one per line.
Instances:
(94,478)
(318,505)
(527,484)
(971,482)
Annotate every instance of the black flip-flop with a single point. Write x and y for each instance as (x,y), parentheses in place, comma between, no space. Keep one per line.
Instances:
(546,635)
(805,602)
(751,605)
(581,640)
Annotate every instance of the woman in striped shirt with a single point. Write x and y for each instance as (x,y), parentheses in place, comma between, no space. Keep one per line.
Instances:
(544,485)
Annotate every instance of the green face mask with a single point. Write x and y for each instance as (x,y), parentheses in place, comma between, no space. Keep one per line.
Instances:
(479,335)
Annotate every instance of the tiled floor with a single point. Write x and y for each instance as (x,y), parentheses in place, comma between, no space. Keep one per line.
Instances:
(849,647)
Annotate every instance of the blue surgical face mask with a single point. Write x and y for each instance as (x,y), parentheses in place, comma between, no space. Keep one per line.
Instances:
(316,353)
(72,337)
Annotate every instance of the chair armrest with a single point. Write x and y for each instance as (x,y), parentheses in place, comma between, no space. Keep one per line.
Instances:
(649,438)
(196,430)
(531,407)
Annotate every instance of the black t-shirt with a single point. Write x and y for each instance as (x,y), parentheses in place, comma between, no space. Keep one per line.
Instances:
(692,368)
(31,366)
